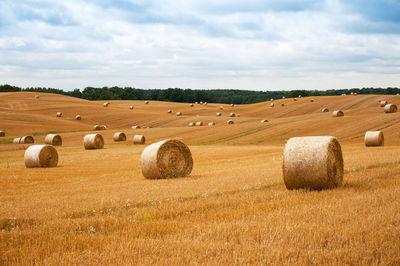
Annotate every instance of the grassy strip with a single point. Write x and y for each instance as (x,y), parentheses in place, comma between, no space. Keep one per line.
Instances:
(6,141)
(56,132)
(374,166)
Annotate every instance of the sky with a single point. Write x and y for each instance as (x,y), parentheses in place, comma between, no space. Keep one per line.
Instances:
(203,44)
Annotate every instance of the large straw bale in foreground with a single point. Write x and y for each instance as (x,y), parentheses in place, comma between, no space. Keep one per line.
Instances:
(312,163)
(26,140)
(139,139)
(374,138)
(53,139)
(390,108)
(166,159)
(337,113)
(119,136)
(41,156)
(93,141)
(2,133)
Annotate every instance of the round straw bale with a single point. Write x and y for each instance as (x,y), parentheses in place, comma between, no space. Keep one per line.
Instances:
(191,105)
(2,133)
(232,115)
(299,96)
(232,105)
(105,104)
(295,99)
(221,108)
(383,103)
(146,102)
(355,94)
(283,97)
(196,103)
(351,93)
(16,140)
(166,159)
(390,108)
(312,163)
(131,107)
(229,122)
(205,103)
(119,136)
(26,139)
(264,121)
(41,156)
(201,102)
(178,113)
(271,100)
(282,104)
(311,100)
(139,139)
(169,111)
(59,114)
(37,97)
(93,141)
(199,124)
(53,139)
(272,105)
(337,113)
(191,124)
(135,127)
(324,110)
(211,124)
(99,127)
(78,117)
(218,114)
(374,138)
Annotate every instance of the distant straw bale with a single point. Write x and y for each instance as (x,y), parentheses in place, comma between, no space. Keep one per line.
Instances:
(191,105)
(295,99)
(131,107)
(221,108)
(337,113)
(166,159)
(264,121)
(383,103)
(53,139)
(135,127)
(230,122)
(178,113)
(16,140)
(283,97)
(26,140)
(191,124)
(139,139)
(37,97)
(105,104)
(282,104)
(119,136)
(146,102)
(93,141)
(169,111)
(205,103)
(272,105)
(232,105)
(41,156)
(211,124)
(199,124)
(312,163)
(271,100)
(232,115)
(374,138)
(201,102)
(196,103)
(218,114)
(324,110)
(311,100)
(2,133)
(390,108)
(99,127)
(299,96)
(59,114)
(78,117)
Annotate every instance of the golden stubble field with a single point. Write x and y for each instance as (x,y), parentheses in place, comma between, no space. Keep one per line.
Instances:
(95,207)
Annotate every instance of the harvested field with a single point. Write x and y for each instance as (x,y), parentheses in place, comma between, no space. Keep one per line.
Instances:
(96,207)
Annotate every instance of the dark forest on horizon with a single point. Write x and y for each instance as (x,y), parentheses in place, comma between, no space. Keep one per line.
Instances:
(188,95)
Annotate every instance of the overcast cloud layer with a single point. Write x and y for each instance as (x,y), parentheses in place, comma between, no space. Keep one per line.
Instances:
(253,44)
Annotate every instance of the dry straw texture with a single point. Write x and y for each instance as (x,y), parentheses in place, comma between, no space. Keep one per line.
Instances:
(59,114)
(16,140)
(139,139)
(41,156)
(374,138)
(99,127)
(390,108)
(178,113)
(166,159)
(2,133)
(93,141)
(211,124)
(199,123)
(229,122)
(119,136)
(191,124)
(232,115)
(53,139)
(383,103)
(26,140)
(218,114)
(135,127)
(312,163)
(78,117)
(324,110)
(337,113)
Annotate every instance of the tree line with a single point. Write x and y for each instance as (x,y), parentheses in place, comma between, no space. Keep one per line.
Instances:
(189,95)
